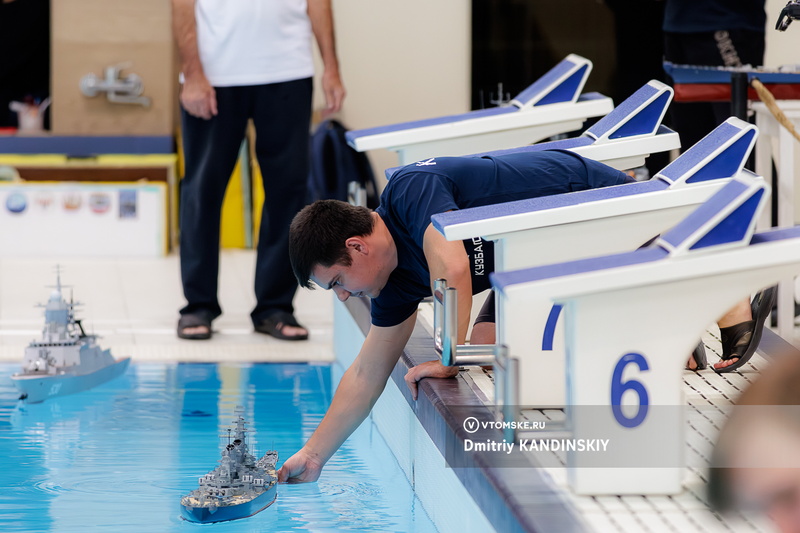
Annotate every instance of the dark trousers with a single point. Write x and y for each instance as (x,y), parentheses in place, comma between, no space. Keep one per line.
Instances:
(694,120)
(281,113)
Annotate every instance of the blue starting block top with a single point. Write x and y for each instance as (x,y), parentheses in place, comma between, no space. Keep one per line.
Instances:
(721,154)
(452,218)
(639,115)
(727,219)
(561,84)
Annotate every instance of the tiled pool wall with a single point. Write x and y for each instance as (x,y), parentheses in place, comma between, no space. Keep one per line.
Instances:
(473,498)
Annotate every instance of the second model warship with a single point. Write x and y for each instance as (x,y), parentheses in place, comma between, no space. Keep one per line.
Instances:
(66,359)
(239,487)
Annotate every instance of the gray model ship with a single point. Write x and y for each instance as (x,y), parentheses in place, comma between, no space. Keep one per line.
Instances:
(65,360)
(239,487)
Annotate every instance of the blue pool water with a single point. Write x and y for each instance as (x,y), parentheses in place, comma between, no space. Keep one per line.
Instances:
(119,457)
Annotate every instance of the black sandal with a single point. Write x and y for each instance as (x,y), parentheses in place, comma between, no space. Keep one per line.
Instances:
(193,321)
(741,340)
(700,359)
(273,325)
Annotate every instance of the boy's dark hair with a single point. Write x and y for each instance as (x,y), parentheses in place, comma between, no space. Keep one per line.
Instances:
(318,233)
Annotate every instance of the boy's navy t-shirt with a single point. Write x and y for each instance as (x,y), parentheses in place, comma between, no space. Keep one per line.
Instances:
(420,190)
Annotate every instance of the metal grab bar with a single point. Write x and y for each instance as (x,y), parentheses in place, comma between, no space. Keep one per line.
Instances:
(445,331)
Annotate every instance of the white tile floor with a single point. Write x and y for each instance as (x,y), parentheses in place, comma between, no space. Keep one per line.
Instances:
(133,304)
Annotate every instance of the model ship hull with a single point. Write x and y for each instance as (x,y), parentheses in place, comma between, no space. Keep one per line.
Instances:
(36,388)
(208,514)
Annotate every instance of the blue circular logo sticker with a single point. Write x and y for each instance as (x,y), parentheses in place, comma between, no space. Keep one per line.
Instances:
(16,202)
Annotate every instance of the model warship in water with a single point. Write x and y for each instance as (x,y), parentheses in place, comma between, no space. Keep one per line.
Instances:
(239,487)
(65,360)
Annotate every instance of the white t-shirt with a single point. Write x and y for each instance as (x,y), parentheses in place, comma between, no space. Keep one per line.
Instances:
(253,42)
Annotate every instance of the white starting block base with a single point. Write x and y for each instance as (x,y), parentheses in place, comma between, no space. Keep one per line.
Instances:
(707,394)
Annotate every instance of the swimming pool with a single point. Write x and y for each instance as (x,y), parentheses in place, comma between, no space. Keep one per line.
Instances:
(119,457)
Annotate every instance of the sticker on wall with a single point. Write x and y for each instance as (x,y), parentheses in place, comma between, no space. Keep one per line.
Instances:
(99,202)
(44,200)
(127,204)
(16,202)
(72,201)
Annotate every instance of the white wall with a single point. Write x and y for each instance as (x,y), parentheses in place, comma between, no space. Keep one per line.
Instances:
(783,48)
(400,61)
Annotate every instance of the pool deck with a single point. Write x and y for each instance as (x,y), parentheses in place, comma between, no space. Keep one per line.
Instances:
(133,305)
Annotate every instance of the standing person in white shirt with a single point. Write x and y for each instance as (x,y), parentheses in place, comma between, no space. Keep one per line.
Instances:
(240,60)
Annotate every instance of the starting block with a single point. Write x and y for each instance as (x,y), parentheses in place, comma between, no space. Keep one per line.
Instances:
(622,139)
(625,137)
(551,105)
(584,224)
(634,318)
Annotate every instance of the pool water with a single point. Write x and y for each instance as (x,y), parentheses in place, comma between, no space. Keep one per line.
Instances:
(120,456)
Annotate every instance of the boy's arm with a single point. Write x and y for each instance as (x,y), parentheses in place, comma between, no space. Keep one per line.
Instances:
(448,260)
(357,392)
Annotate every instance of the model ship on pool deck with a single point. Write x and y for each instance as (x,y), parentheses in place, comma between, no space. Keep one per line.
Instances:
(65,360)
(239,487)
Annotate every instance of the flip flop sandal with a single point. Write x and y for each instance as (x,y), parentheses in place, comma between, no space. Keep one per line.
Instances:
(700,359)
(193,321)
(274,324)
(741,340)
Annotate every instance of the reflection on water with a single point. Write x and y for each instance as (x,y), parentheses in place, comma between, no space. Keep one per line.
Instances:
(119,457)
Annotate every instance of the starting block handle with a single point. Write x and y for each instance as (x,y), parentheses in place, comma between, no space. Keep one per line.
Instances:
(445,331)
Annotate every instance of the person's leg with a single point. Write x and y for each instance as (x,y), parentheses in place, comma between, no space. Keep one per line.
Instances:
(282,118)
(484,330)
(741,329)
(210,151)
